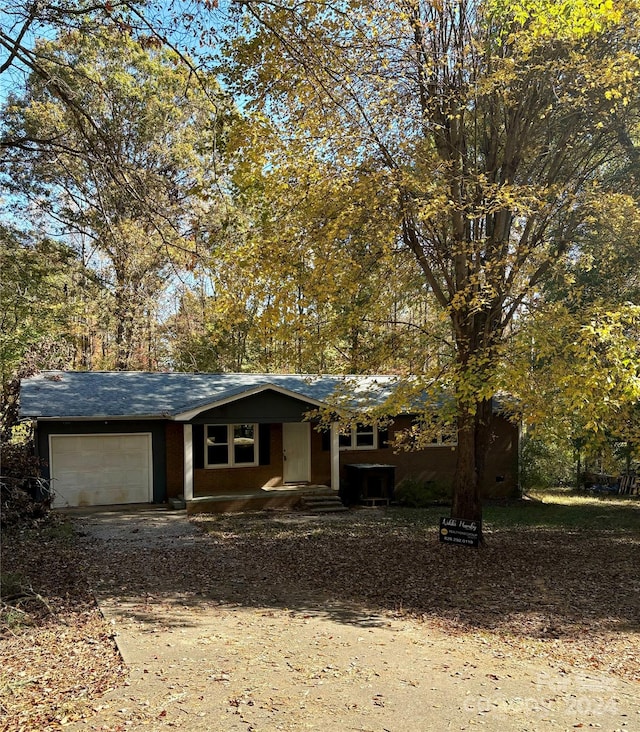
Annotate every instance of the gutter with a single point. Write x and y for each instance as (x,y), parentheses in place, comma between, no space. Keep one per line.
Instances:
(102,418)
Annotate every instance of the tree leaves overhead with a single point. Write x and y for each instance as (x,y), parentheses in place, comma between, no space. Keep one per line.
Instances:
(144,127)
(476,135)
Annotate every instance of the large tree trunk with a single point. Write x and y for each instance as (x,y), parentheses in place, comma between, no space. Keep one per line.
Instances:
(476,333)
(474,436)
(466,485)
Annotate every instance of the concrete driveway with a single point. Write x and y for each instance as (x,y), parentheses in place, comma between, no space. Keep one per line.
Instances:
(203,663)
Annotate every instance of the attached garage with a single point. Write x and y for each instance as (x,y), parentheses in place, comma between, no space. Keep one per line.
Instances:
(101,469)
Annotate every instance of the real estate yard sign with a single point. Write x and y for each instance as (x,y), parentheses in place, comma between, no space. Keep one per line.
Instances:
(459,531)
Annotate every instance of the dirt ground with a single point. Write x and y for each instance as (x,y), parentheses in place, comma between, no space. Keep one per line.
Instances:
(289,622)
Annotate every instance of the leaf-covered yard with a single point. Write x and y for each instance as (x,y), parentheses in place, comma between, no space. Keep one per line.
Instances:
(553,580)
(556,582)
(58,654)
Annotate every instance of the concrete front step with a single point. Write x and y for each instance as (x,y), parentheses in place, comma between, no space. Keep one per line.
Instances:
(338,508)
(322,503)
(177,503)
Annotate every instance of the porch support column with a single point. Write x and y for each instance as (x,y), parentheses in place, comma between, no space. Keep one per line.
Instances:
(335,456)
(188,462)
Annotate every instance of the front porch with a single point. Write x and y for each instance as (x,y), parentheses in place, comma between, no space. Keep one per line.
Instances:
(288,461)
(268,497)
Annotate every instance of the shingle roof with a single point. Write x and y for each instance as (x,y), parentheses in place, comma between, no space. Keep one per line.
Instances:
(99,394)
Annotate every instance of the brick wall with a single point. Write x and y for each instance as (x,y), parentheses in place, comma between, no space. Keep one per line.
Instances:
(434,463)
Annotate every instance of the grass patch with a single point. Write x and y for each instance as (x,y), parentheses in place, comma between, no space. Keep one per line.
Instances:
(61,530)
(565,509)
(10,584)
(559,509)
(12,592)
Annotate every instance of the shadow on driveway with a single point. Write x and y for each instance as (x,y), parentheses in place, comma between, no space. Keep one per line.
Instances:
(278,623)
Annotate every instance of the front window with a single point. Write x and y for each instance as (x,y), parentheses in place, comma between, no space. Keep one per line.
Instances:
(231,445)
(450,439)
(360,437)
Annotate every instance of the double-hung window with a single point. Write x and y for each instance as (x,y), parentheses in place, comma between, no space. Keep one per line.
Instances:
(360,437)
(231,445)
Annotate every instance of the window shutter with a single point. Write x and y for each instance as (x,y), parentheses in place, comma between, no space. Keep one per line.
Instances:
(198,446)
(326,440)
(264,446)
(383,438)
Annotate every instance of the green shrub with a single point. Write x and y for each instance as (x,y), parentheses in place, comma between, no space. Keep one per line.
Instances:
(545,463)
(421,493)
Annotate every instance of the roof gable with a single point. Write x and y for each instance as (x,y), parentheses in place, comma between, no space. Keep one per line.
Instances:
(245,394)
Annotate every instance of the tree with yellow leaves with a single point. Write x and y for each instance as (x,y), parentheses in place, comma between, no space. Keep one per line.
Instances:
(486,126)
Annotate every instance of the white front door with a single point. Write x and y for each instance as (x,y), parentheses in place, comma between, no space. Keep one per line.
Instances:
(296,452)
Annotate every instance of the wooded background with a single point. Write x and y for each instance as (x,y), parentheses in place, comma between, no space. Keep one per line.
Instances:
(443,189)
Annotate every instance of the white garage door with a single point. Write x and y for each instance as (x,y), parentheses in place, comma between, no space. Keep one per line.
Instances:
(101,470)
